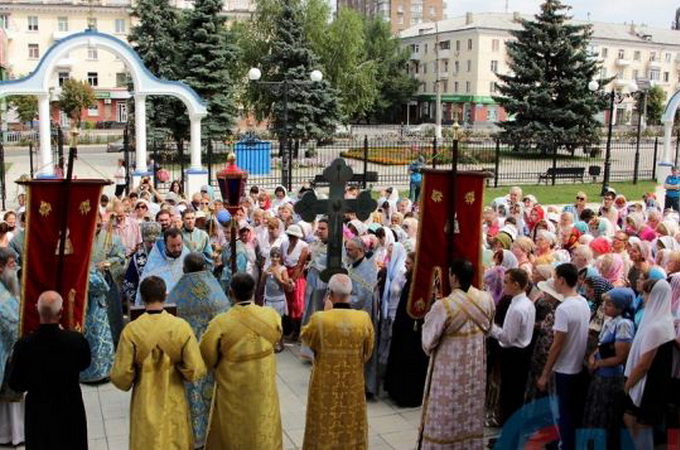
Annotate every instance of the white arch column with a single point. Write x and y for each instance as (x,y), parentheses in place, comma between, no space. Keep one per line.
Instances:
(141,169)
(46,167)
(196,175)
(666,161)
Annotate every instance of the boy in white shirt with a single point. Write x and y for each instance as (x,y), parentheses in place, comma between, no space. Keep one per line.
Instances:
(567,353)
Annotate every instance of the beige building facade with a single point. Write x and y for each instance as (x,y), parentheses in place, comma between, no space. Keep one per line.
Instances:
(33,27)
(461,56)
(401,14)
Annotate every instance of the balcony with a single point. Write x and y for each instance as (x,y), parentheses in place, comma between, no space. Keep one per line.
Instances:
(444,53)
(415,57)
(65,63)
(621,83)
(443,75)
(621,62)
(655,64)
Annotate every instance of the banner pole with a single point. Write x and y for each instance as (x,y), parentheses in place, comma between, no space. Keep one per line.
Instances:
(64,218)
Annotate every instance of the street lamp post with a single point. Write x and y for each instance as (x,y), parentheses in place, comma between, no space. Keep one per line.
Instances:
(315,76)
(615,98)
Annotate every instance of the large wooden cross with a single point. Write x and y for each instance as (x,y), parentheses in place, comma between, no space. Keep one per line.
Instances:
(337,174)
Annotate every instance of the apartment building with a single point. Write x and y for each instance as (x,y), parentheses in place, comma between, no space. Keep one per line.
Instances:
(402,14)
(32,27)
(464,54)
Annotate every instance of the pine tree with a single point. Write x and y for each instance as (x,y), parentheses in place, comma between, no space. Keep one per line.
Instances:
(208,53)
(546,95)
(312,107)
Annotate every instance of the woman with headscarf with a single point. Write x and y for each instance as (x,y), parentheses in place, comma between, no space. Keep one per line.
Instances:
(540,273)
(523,248)
(601,227)
(611,268)
(636,226)
(394,283)
(536,214)
(600,246)
(280,198)
(649,366)
(641,256)
(654,273)
(546,304)
(410,226)
(667,242)
(572,240)
(594,288)
(493,277)
(407,362)
(295,252)
(604,403)
(545,245)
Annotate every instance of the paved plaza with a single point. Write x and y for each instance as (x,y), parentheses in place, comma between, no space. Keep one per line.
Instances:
(390,427)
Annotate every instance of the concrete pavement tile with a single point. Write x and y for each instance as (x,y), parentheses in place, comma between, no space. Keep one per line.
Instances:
(402,440)
(296,435)
(389,424)
(377,442)
(288,443)
(379,408)
(117,427)
(412,417)
(97,444)
(119,443)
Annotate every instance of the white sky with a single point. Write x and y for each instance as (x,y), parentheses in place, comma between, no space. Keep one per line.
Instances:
(655,13)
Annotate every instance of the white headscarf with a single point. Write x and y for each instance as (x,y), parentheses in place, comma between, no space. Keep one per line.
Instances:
(656,328)
(396,267)
(509,260)
(359,226)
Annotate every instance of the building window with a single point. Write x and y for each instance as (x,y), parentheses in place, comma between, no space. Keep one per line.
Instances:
(4,21)
(494,66)
(63,76)
(120,26)
(605,52)
(445,45)
(92,54)
(424,69)
(32,23)
(92,23)
(456,67)
(469,44)
(401,20)
(121,80)
(455,86)
(467,87)
(652,56)
(433,10)
(636,55)
(654,74)
(93,111)
(636,75)
(446,65)
(622,54)
(469,65)
(457,46)
(416,67)
(493,87)
(33,51)
(668,57)
(425,48)
(93,79)
(415,48)
(444,85)
(62,24)
(666,77)
(495,45)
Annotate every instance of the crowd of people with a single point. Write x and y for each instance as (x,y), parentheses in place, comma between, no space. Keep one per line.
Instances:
(578,304)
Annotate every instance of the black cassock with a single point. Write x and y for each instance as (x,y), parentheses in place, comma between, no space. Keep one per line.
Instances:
(46,365)
(407,362)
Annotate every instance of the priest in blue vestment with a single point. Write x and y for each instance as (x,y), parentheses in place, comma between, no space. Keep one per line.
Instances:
(167,263)
(98,331)
(199,298)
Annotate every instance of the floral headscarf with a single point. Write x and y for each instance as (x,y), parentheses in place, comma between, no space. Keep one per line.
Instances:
(611,267)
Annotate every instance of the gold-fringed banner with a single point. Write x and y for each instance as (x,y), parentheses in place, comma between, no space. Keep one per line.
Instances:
(434,251)
(47,205)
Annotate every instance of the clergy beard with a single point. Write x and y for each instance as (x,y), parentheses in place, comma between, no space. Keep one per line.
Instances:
(11,281)
(173,255)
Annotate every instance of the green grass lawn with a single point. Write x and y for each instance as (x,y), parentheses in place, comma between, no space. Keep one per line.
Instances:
(565,193)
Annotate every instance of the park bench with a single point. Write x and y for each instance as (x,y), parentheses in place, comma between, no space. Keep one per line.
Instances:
(575,173)
(357,179)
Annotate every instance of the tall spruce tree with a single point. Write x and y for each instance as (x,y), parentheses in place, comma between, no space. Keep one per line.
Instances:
(312,107)
(208,55)
(546,95)
(155,38)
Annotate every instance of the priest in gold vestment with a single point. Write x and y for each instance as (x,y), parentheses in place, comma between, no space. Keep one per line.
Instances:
(239,346)
(342,341)
(157,353)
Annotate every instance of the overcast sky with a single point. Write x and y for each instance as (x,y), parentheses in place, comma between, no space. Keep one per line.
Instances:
(656,13)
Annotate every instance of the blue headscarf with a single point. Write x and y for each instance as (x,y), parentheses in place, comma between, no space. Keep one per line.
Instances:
(623,299)
(581,226)
(656,273)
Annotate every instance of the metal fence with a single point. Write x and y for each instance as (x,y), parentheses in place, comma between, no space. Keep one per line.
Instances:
(385,162)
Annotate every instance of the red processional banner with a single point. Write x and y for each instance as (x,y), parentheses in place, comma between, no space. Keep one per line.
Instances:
(49,202)
(434,251)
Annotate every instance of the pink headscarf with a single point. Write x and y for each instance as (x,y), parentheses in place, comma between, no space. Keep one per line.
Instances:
(675,293)
(493,280)
(611,267)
